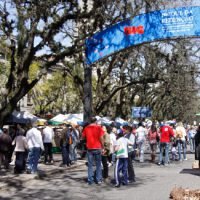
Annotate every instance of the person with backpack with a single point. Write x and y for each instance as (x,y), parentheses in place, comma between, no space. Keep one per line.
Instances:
(181,140)
(153,137)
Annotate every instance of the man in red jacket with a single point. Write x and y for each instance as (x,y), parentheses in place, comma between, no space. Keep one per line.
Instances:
(166,132)
(93,133)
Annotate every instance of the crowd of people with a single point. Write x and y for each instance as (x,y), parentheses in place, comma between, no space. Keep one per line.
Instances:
(23,146)
(129,143)
(104,145)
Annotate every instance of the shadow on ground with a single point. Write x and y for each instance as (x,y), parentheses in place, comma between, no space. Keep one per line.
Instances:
(64,184)
(195,172)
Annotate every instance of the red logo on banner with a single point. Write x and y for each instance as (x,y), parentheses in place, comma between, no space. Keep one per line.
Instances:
(131,30)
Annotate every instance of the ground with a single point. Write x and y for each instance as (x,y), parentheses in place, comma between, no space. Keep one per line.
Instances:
(153,182)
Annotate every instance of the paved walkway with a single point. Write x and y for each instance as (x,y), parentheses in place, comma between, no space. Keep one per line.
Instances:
(153,182)
(8,178)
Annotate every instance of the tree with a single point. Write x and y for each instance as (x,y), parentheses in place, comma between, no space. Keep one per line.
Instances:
(56,94)
(49,31)
(164,81)
(33,31)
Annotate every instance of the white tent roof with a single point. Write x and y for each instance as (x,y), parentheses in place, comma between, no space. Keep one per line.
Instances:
(68,118)
(104,120)
(119,120)
(58,118)
(74,118)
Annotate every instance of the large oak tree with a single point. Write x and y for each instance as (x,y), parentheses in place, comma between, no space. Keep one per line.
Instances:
(42,31)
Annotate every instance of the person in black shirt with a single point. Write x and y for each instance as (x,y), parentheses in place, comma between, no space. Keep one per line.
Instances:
(197,145)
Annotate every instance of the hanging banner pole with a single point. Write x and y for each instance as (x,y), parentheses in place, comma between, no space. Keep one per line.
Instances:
(87,99)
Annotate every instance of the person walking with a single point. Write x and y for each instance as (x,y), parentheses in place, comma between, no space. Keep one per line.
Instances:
(76,141)
(48,136)
(65,142)
(191,135)
(166,132)
(121,149)
(35,145)
(113,136)
(106,152)
(141,134)
(129,135)
(21,147)
(197,145)
(153,138)
(5,148)
(14,132)
(93,133)
(73,143)
(181,140)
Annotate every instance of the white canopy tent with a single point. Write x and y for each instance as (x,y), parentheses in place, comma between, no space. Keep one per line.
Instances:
(74,118)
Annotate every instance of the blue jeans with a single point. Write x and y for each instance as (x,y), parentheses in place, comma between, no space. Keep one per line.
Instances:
(94,155)
(72,152)
(181,146)
(192,144)
(65,155)
(33,158)
(141,148)
(164,147)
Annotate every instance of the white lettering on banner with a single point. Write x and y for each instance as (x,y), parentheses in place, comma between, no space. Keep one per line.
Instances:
(178,21)
(188,20)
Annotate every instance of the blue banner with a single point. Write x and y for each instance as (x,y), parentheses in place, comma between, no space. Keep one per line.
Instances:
(157,25)
(141,112)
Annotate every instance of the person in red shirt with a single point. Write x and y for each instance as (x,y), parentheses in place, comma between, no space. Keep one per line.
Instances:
(166,132)
(93,133)
(152,137)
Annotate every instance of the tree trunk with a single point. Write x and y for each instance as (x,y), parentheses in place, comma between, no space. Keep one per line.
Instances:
(5,112)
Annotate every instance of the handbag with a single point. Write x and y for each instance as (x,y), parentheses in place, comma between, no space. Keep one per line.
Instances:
(195,164)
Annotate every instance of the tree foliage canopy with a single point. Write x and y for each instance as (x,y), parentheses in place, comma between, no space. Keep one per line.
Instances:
(44,31)
(36,35)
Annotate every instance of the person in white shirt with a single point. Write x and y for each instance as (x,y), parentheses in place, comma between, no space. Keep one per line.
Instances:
(21,146)
(35,145)
(129,135)
(112,142)
(121,148)
(48,136)
(141,134)
(191,135)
